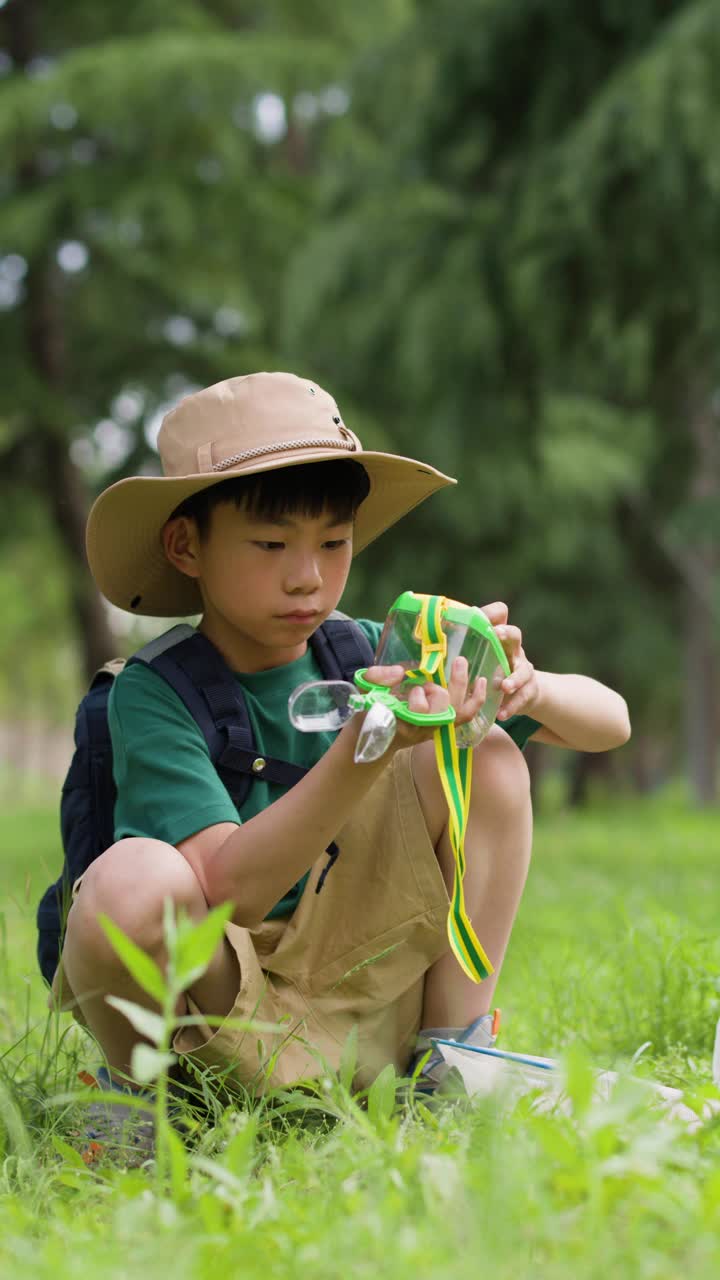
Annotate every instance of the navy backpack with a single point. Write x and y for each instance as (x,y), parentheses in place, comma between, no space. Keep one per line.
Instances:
(201,678)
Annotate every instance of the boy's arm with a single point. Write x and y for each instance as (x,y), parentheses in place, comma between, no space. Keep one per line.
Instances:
(574,711)
(578,713)
(253,864)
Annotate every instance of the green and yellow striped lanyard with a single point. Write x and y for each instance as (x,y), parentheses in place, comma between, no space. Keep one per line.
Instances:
(455,768)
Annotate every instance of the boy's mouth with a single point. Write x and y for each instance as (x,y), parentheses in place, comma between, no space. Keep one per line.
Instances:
(301,615)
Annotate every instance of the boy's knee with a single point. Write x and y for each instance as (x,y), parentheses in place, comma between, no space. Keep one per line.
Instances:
(500,774)
(129,883)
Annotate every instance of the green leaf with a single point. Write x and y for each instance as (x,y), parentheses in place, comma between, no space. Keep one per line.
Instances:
(381,1097)
(72,1178)
(139,965)
(196,944)
(221,1175)
(147,1063)
(69,1154)
(179,1164)
(239,1153)
(557,1139)
(149,1024)
(12,1118)
(348,1061)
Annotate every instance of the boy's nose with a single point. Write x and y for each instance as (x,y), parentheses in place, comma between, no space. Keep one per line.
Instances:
(304,575)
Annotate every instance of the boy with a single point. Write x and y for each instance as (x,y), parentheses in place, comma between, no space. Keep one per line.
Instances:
(265,497)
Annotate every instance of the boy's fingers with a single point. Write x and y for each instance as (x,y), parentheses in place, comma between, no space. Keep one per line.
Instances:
(430,697)
(511,641)
(479,694)
(385,675)
(473,702)
(512,707)
(417,699)
(520,700)
(522,675)
(436,698)
(457,684)
(497,612)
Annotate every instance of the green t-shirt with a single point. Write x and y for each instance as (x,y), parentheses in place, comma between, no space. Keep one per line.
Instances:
(167,786)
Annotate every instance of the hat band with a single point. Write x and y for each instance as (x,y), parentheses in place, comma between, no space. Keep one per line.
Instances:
(283,447)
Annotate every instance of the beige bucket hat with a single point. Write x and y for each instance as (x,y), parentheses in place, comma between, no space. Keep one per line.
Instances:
(236,428)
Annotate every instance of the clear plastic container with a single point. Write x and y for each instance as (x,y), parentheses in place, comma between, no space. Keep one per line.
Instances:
(321,705)
(327,705)
(378,731)
(470,635)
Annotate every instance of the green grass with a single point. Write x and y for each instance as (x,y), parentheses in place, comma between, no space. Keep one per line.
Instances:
(616,945)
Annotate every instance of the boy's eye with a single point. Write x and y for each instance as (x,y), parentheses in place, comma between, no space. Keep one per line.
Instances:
(332,544)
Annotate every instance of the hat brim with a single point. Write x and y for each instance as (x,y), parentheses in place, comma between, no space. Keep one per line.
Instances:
(124,545)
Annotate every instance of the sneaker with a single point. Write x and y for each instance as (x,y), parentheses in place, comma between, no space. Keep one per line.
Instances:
(126,1134)
(436,1073)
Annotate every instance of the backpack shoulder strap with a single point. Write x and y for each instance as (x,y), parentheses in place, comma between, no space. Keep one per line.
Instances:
(110,669)
(201,678)
(173,656)
(153,649)
(341,647)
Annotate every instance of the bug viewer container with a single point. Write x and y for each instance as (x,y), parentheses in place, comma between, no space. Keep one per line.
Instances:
(469,634)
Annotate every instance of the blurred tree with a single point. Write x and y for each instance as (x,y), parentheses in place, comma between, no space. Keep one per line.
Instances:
(518,270)
(38,657)
(156,169)
(624,219)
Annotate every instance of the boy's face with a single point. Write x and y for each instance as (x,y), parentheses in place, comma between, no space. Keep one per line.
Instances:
(266,584)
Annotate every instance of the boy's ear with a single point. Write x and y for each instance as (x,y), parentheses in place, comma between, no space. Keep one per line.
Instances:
(181,543)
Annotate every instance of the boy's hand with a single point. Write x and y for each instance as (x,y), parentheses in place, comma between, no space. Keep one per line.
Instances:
(520,688)
(497,612)
(432,698)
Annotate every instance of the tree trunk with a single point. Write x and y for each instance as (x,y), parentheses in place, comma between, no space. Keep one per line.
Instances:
(65,497)
(586,767)
(647,763)
(696,561)
(56,476)
(701,700)
(702,635)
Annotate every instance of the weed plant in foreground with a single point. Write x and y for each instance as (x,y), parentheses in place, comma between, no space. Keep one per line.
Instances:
(616,945)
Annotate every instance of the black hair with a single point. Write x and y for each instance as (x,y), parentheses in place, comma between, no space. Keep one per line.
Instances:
(308,489)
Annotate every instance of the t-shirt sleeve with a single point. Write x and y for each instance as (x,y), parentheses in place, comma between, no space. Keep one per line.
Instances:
(167,786)
(373,630)
(520,728)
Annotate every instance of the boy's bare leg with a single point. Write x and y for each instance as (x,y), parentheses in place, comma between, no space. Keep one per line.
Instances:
(497,851)
(129,883)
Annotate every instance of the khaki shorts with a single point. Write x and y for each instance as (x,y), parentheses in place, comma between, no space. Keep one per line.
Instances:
(354,955)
